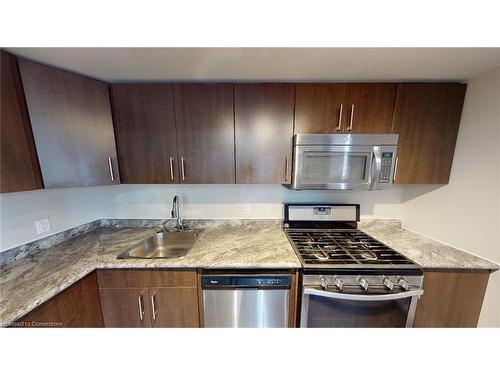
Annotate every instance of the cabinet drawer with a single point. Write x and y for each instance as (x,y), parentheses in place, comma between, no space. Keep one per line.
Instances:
(129,278)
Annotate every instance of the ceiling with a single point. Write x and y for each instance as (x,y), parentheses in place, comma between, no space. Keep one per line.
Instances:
(270,64)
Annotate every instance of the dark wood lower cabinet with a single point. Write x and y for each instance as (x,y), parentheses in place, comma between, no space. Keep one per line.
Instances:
(125,307)
(143,298)
(174,307)
(172,298)
(77,306)
(451,299)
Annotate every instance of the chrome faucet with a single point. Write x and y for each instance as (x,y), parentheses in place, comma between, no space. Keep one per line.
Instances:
(176,213)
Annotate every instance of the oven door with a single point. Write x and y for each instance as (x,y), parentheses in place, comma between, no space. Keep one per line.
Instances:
(336,167)
(331,309)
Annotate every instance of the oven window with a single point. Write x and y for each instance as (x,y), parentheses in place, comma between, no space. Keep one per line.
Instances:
(331,313)
(335,167)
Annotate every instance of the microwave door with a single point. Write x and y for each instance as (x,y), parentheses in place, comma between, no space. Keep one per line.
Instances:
(333,167)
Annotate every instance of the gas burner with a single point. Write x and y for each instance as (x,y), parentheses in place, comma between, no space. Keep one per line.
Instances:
(368,255)
(321,255)
(334,248)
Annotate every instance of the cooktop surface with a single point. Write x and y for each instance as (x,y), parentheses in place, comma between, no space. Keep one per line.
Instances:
(340,248)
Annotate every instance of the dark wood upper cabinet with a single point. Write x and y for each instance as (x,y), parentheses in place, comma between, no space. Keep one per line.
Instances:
(264,132)
(145,133)
(19,162)
(427,117)
(72,125)
(369,107)
(318,108)
(205,132)
(327,108)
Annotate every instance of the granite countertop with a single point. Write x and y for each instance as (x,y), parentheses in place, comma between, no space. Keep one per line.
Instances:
(30,281)
(429,254)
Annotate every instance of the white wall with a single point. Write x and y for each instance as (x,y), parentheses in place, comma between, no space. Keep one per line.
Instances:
(226,201)
(466,212)
(67,208)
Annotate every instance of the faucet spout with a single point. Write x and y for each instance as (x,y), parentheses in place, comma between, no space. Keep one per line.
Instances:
(176,213)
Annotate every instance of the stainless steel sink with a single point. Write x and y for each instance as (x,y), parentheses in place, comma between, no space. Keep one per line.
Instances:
(170,245)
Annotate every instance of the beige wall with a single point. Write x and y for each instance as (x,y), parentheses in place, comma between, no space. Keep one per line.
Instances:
(466,212)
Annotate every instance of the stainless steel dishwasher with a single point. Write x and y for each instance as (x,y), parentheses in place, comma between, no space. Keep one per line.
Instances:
(251,301)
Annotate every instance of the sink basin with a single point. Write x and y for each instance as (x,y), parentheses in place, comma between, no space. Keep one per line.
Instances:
(170,245)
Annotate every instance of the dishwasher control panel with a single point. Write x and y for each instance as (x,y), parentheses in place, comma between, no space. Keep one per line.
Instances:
(244,281)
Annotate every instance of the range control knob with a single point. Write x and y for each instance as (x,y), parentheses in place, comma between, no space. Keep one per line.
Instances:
(403,283)
(339,283)
(363,283)
(323,282)
(388,283)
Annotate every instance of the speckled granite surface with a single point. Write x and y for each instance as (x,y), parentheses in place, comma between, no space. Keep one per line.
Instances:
(422,250)
(34,247)
(28,282)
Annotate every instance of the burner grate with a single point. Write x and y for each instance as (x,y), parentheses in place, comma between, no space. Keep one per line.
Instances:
(343,247)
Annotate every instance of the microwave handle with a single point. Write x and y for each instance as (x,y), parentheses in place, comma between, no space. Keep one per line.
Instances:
(363,297)
(378,166)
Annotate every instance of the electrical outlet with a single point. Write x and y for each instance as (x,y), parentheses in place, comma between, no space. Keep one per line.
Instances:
(247,209)
(42,226)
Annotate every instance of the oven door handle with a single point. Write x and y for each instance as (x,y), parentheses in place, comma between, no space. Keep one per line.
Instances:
(378,167)
(363,297)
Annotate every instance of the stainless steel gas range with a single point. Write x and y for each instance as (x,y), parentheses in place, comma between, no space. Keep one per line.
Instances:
(350,279)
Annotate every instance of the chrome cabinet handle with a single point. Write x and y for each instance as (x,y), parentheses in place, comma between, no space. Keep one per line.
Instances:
(111,169)
(286,168)
(171,168)
(183,173)
(395,170)
(351,119)
(141,310)
(153,306)
(340,118)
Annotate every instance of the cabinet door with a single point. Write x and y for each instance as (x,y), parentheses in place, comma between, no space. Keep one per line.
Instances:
(369,107)
(320,108)
(174,307)
(451,299)
(125,307)
(71,120)
(46,315)
(76,306)
(145,133)
(426,117)
(205,133)
(264,131)
(19,167)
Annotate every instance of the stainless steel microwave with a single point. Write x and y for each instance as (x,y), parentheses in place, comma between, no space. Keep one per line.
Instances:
(344,161)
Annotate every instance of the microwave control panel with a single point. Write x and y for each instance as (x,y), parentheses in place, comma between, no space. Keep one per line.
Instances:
(385,170)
